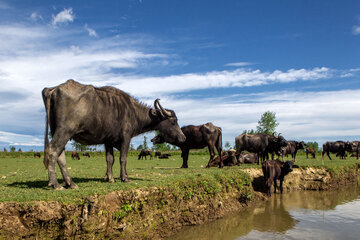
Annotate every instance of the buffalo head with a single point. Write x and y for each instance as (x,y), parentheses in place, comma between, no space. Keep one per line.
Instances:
(301,145)
(287,167)
(168,124)
(281,141)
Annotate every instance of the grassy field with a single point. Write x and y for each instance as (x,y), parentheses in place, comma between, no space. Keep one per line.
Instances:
(24,178)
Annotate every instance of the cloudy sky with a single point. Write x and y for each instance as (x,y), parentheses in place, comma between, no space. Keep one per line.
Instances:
(225,62)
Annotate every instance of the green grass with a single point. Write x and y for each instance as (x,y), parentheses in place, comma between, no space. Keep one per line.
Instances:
(24,178)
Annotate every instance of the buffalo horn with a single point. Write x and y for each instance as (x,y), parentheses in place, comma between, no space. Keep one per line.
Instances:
(162,110)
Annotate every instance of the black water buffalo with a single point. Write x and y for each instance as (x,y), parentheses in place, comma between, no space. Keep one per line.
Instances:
(75,155)
(273,170)
(145,152)
(86,154)
(164,156)
(249,158)
(197,137)
(37,154)
(228,159)
(260,143)
(105,115)
(338,147)
(157,154)
(310,151)
(356,148)
(292,148)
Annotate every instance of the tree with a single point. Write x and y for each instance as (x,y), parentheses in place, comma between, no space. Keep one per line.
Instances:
(80,147)
(132,147)
(145,143)
(251,131)
(313,145)
(5,150)
(267,123)
(12,149)
(227,145)
(140,147)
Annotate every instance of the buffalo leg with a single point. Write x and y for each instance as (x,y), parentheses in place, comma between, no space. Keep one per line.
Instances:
(124,148)
(281,185)
(185,156)
(109,152)
(62,163)
(328,154)
(275,185)
(56,147)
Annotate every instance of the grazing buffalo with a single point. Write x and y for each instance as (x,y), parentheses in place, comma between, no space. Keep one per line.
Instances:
(356,149)
(86,154)
(197,137)
(145,152)
(157,154)
(228,158)
(260,143)
(75,155)
(37,154)
(105,115)
(310,151)
(338,147)
(273,170)
(249,158)
(292,148)
(164,156)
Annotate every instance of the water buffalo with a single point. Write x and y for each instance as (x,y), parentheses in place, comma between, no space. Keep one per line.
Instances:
(86,154)
(157,154)
(228,158)
(105,115)
(145,152)
(310,151)
(197,137)
(338,147)
(75,155)
(164,156)
(273,170)
(260,143)
(356,148)
(37,154)
(250,158)
(292,148)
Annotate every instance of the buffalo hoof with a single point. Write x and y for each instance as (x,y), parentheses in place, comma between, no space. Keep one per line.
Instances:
(72,186)
(110,180)
(58,187)
(125,180)
(184,166)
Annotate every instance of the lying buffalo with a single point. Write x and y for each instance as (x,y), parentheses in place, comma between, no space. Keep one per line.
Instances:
(164,156)
(145,152)
(260,143)
(338,147)
(86,154)
(105,115)
(273,170)
(228,159)
(197,137)
(249,158)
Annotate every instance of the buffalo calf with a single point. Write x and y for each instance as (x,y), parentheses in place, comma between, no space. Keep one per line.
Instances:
(273,170)
(75,155)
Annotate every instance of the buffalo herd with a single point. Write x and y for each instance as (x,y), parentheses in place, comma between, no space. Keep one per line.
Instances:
(106,115)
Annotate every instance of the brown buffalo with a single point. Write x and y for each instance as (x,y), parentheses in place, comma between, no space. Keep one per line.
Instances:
(292,148)
(250,158)
(273,170)
(37,154)
(92,116)
(145,152)
(197,137)
(228,158)
(310,151)
(75,155)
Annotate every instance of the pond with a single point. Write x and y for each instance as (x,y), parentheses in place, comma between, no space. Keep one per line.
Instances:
(295,215)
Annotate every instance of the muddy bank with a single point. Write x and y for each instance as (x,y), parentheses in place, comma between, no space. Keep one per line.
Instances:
(156,213)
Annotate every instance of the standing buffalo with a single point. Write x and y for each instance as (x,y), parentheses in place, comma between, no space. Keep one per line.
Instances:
(338,147)
(260,143)
(197,137)
(75,155)
(273,170)
(37,154)
(105,115)
(310,151)
(157,154)
(292,148)
(145,152)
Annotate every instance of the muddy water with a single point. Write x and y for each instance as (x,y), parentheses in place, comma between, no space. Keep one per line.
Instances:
(295,215)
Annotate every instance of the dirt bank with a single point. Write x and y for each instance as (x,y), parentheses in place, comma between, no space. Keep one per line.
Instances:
(156,213)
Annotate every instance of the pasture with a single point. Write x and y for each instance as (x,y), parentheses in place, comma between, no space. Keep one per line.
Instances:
(24,178)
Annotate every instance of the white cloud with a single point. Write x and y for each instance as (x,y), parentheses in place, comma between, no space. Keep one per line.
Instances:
(356,30)
(238,64)
(92,32)
(64,16)
(35,17)
(20,139)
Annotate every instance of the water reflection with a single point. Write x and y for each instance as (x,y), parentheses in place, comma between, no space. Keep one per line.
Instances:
(316,215)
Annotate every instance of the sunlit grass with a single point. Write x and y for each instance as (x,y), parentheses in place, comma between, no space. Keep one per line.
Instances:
(25,178)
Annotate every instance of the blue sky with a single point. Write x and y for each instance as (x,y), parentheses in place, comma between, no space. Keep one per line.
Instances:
(225,62)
